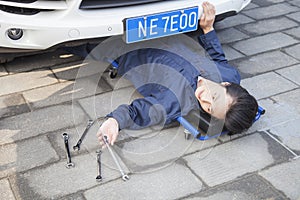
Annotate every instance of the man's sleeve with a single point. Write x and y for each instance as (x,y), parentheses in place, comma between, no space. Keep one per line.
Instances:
(212,46)
(141,113)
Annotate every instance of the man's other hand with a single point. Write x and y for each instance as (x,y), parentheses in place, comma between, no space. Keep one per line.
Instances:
(109,128)
(208,17)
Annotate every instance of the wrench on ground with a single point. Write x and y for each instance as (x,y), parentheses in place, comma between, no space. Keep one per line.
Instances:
(66,141)
(125,177)
(77,146)
(99,176)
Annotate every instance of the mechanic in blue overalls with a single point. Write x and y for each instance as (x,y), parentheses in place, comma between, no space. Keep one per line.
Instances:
(171,87)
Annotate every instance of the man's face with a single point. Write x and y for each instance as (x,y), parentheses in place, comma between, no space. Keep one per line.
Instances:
(213,98)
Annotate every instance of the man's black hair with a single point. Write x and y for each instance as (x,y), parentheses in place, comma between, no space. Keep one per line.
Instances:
(242,111)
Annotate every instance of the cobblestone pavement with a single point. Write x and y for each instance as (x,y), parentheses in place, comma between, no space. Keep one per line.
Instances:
(39,100)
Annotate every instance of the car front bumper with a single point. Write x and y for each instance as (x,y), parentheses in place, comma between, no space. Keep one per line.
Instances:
(65,22)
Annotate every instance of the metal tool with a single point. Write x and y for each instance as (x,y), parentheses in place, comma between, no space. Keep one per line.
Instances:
(77,146)
(66,141)
(99,176)
(125,177)
(187,134)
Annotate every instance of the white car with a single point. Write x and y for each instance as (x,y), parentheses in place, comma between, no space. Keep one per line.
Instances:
(36,25)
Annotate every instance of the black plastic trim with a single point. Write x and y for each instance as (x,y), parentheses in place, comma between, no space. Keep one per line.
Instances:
(225,15)
(99,4)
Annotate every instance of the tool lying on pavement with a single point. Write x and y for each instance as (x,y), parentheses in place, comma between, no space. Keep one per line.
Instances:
(99,176)
(66,141)
(89,125)
(125,177)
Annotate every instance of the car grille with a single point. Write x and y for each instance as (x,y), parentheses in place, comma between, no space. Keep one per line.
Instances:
(100,4)
(31,7)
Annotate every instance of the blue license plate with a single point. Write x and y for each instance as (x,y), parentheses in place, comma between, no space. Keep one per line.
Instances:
(161,24)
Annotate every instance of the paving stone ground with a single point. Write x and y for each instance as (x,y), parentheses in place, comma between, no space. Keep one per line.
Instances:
(43,96)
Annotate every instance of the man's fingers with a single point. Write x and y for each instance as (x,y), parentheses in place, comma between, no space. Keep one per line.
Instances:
(202,17)
(208,8)
(205,7)
(99,139)
(98,133)
(101,143)
(108,130)
(113,139)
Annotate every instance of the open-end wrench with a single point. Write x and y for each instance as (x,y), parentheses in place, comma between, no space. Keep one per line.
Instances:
(125,177)
(99,176)
(77,146)
(66,141)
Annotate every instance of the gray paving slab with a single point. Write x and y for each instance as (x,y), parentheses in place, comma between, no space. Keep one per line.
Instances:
(55,180)
(291,73)
(25,81)
(233,21)
(25,155)
(264,62)
(230,53)
(103,104)
(159,149)
(285,177)
(264,43)
(231,35)
(249,188)
(171,182)
(266,2)
(233,159)
(268,26)
(73,197)
(266,85)
(295,32)
(5,190)
(79,69)
(12,105)
(40,61)
(39,122)
(277,113)
(3,72)
(295,16)
(293,51)
(288,133)
(290,100)
(275,1)
(251,6)
(294,2)
(273,10)
(66,91)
